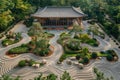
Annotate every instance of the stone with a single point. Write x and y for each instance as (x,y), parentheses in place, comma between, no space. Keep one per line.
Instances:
(72,58)
(44,61)
(69,62)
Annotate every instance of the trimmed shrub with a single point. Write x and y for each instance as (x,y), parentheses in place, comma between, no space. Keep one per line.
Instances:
(18,50)
(24,45)
(62,58)
(44,52)
(85,60)
(22,63)
(74,45)
(78,56)
(94,55)
(110,57)
(31,62)
(7,42)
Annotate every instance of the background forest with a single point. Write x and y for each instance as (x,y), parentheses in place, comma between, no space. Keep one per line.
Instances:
(105,12)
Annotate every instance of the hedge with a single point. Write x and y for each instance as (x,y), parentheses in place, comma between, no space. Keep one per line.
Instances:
(18,50)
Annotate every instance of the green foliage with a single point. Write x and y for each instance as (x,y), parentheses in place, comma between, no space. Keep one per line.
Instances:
(78,56)
(85,60)
(22,63)
(28,22)
(94,55)
(1,35)
(74,45)
(40,39)
(19,9)
(13,10)
(44,52)
(7,77)
(100,75)
(7,42)
(110,58)
(65,76)
(43,44)
(111,55)
(11,38)
(51,77)
(36,31)
(42,47)
(63,57)
(18,50)
(86,39)
(5,18)
(31,62)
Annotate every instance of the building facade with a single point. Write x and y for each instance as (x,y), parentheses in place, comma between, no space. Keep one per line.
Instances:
(58,16)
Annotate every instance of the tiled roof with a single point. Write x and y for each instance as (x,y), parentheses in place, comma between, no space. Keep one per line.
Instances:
(59,12)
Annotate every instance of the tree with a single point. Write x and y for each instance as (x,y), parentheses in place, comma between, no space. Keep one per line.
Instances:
(51,77)
(94,30)
(6,5)
(28,22)
(39,78)
(66,76)
(77,28)
(21,9)
(85,51)
(5,19)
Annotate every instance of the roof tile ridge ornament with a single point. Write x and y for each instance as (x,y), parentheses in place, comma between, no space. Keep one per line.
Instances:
(39,12)
(78,10)
(43,9)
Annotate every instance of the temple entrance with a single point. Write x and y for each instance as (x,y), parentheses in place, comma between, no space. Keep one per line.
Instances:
(56,21)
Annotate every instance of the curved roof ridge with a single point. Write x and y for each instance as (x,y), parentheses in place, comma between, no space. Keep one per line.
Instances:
(44,9)
(41,10)
(59,6)
(59,11)
(78,10)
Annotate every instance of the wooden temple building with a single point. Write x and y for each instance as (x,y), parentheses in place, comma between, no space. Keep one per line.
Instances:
(58,16)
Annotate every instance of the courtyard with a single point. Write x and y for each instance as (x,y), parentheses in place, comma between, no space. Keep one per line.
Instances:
(8,65)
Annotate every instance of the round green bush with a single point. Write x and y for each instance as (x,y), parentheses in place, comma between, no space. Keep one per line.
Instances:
(74,45)
(44,52)
(62,58)
(85,60)
(94,55)
(22,63)
(31,62)
(110,57)
(78,56)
